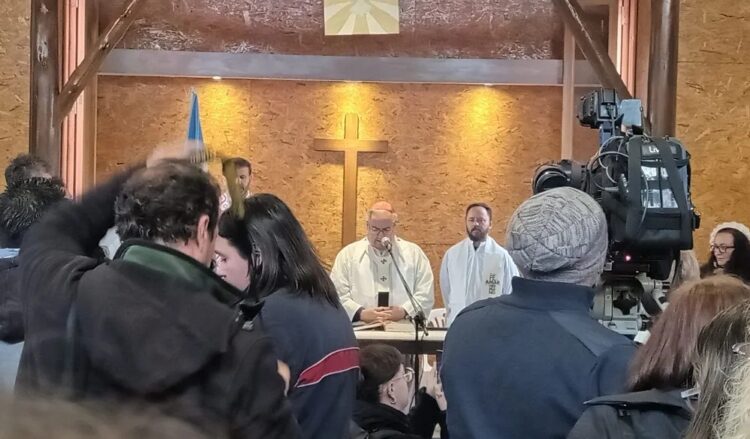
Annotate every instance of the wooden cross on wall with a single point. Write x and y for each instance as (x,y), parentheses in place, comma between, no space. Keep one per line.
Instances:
(351,145)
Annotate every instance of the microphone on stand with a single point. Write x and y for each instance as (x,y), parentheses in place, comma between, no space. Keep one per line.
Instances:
(386,241)
(420,319)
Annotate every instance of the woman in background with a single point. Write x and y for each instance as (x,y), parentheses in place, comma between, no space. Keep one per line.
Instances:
(730,251)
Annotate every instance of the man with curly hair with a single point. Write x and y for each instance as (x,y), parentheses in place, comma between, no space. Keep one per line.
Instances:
(155,326)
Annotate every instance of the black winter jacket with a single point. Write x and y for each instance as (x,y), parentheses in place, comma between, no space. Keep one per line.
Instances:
(651,414)
(152,327)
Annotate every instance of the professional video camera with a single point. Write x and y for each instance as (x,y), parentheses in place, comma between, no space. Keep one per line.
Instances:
(643,186)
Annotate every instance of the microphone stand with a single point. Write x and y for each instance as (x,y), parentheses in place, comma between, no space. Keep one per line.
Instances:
(419,319)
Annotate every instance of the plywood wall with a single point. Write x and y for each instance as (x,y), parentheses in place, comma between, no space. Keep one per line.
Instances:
(713,109)
(449,145)
(14,80)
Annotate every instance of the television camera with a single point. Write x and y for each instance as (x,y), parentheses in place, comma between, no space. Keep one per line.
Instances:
(643,185)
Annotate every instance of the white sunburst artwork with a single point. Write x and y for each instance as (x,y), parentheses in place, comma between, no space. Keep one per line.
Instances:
(361,17)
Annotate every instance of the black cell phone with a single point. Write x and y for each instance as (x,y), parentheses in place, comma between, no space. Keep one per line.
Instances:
(383,298)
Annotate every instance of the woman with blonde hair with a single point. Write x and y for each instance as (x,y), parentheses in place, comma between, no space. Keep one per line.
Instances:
(735,423)
(721,346)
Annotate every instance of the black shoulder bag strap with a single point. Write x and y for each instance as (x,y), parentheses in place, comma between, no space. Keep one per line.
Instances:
(634,197)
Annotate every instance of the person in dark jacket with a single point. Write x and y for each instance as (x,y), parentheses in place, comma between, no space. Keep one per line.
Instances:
(384,395)
(311,332)
(155,326)
(522,365)
(662,369)
(21,205)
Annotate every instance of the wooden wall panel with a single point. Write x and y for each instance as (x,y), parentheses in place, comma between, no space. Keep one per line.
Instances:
(14,80)
(713,109)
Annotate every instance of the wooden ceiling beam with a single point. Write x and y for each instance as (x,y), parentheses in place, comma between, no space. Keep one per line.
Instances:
(88,69)
(137,62)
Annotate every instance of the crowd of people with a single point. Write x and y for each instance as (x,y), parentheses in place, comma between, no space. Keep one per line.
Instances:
(151,307)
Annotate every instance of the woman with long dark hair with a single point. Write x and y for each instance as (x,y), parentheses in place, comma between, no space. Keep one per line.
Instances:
(301,312)
(661,372)
(730,251)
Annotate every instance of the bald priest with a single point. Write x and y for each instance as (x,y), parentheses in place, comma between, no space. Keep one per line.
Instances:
(367,279)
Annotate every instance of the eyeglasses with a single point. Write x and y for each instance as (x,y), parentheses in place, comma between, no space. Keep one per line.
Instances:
(378,231)
(408,375)
(721,248)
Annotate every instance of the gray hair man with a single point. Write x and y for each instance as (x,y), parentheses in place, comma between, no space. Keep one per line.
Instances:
(366,277)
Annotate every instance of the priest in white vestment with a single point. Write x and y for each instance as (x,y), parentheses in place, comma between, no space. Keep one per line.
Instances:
(476,268)
(364,269)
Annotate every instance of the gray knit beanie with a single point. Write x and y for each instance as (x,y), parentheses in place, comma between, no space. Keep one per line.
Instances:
(559,235)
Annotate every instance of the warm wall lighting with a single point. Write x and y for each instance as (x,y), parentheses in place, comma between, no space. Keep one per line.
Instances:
(479,117)
(355,97)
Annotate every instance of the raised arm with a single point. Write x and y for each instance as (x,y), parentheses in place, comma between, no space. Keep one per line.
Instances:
(75,229)
(60,246)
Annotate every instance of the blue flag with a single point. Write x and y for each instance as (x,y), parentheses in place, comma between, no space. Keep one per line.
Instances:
(194,141)
(194,127)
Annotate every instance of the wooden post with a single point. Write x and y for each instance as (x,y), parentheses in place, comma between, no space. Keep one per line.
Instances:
(44,128)
(643,52)
(590,44)
(80,78)
(593,48)
(568,94)
(90,100)
(662,77)
(613,23)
